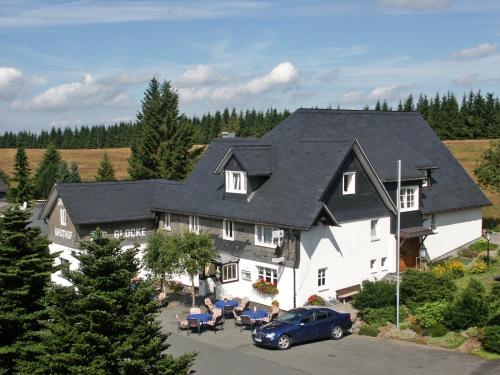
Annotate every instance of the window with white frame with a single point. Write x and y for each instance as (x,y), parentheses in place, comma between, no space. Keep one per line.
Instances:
(194,224)
(63,216)
(246,275)
(373,263)
(167,221)
(383,261)
(321,277)
(268,274)
(236,182)
(229,272)
(264,236)
(228,230)
(409,198)
(349,183)
(374,230)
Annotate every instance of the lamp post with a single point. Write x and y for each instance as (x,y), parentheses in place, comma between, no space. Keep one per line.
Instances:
(488,237)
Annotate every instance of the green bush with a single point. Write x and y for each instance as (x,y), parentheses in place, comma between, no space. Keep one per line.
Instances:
(420,286)
(369,330)
(478,266)
(431,313)
(482,245)
(383,315)
(469,309)
(491,339)
(494,299)
(375,294)
(436,330)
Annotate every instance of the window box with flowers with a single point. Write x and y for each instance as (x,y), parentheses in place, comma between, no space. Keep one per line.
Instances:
(315,300)
(265,287)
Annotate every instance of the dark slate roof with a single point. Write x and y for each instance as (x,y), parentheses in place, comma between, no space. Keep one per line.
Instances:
(385,138)
(289,198)
(255,160)
(99,202)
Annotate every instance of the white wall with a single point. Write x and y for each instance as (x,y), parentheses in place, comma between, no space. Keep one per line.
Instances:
(346,252)
(453,229)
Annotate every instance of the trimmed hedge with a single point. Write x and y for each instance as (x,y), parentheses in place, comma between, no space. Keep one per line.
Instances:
(383,315)
(421,286)
(491,339)
(375,295)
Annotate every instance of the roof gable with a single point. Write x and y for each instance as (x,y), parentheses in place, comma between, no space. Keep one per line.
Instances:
(255,160)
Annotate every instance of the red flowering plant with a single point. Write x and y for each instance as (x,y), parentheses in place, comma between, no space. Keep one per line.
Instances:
(315,300)
(265,287)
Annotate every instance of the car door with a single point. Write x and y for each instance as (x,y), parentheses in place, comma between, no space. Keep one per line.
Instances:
(305,330)
(321,324)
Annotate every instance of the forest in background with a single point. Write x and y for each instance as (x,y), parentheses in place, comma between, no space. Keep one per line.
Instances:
(477,116)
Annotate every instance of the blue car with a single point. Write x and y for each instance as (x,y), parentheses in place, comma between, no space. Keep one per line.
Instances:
(302,324)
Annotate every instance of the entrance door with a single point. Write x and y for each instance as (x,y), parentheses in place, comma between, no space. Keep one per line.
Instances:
(409,253)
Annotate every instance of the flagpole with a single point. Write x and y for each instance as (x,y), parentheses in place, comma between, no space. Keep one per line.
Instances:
(398,235)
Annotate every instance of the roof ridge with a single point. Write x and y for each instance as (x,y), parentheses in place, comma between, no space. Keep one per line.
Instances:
(359,111)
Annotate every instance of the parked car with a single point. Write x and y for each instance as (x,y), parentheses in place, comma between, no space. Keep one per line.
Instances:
(302,324)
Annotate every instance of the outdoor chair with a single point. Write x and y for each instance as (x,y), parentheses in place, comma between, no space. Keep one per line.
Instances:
(194,324)
(216,321)
(273,315)
(237,319)
(195,310)
(209,305)
(181,323)
(228,311)
(243,305)
(246,321)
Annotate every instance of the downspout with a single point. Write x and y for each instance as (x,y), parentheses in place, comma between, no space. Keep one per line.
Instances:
(295,266)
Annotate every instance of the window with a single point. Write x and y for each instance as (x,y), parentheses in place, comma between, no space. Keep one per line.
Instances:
(372,264)
(62,214)
(227,230)
(425,182)
(322,277)
(268,274)
(374,230)
(236,182)
(246,275)
(167,221)
(229,272)
(382,261)
(321,315)
(194,224)
(409,198)
(264,236)
(349,183)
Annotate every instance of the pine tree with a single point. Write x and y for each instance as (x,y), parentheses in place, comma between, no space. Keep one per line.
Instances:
(385,106)
(377,106)
(74,172)
(25,268)
(409,107)
(105,172)
(102,325)
(488,171)
(47,172)
(23,191)
(63,173)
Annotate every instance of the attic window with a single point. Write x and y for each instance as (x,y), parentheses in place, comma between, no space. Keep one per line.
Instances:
(349,183)
(409,198)
(236,182)
(63,217)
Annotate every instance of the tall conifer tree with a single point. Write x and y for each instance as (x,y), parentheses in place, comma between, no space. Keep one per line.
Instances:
(105,172)
(47,172)
(23,191)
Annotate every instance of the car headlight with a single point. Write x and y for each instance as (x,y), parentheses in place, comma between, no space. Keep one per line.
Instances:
(270,336)
(254,332)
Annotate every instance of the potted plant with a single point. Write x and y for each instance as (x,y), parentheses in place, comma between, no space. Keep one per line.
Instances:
(265,287)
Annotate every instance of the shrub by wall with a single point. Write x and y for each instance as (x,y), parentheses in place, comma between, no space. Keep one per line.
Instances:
(431,313)
(383,315)
(375,294)
(421,286)
(478,266)
(491,339)
(369,330)
(469,309)
(453,268)
(436,330)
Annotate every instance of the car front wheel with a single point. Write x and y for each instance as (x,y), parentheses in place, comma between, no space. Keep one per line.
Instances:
(337,332)
(284,342)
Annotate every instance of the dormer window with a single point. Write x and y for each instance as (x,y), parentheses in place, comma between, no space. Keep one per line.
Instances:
(236,182)
(409,198)
(349,183)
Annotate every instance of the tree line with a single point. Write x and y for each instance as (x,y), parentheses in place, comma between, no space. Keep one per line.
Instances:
(477,116)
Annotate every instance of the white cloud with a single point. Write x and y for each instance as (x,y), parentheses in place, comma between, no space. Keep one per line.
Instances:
(83,93)
(352,97)
(280,75)
(11,81)
(390,92)
(466,80)
(479,51)
(419,5)
(200,74)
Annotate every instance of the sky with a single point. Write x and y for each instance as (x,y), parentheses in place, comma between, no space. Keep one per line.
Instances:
(73,63)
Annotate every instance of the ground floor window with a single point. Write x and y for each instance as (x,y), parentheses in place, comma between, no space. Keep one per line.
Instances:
(383,261)
(229,272)
(322,277)
(372,264)
(246,275)
(268,274)
(194,224)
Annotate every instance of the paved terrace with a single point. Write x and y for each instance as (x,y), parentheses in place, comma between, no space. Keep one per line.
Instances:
(232,352)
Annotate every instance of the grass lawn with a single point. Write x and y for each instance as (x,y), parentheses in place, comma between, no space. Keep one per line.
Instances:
(484,278)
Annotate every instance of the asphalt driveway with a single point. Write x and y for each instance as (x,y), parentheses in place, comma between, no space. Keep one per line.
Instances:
(232,352)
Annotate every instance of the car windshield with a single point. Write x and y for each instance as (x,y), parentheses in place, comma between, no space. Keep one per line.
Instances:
(292,316)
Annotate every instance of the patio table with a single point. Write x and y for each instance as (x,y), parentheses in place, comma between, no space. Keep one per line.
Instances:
(222,304)
(203,317)
(255,315)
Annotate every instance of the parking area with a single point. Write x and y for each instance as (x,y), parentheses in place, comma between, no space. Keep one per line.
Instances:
(232,352)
